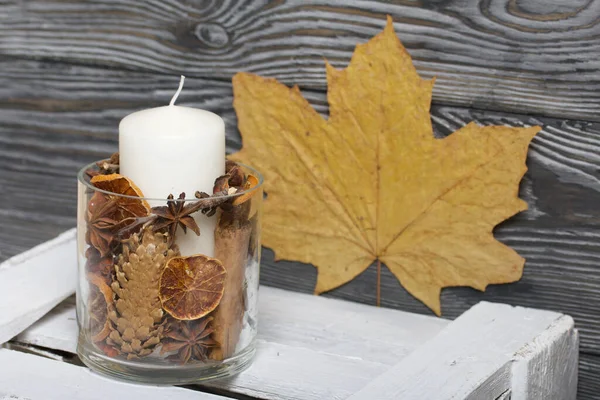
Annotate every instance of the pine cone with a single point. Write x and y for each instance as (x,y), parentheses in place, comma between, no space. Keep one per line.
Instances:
(137,318)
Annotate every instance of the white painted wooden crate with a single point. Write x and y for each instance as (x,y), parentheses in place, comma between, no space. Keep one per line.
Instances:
(309,347)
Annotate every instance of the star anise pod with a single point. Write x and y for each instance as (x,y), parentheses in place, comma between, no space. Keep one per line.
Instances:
(190,339)
(176,213)
(100,222)
(102,225)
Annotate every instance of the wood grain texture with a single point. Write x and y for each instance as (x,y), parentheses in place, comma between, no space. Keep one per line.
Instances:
(589,378)
(56,380)
(308,347)
(57,117)
(339,328)
(534,56)
(546,368)
(443,368)
(25,276)
(311,348)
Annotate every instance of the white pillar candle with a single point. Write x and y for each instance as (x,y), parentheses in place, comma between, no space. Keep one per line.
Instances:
(170,150)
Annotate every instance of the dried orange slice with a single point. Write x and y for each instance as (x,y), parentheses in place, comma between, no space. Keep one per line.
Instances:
(251,181)
(100,302)
(191,287)
(121,185)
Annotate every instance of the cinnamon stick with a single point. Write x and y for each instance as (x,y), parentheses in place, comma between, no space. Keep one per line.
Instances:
(232,237)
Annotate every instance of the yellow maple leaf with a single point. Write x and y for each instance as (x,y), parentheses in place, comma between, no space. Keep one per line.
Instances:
(372,182)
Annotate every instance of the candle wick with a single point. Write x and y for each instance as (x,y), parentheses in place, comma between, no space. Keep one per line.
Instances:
(178,91)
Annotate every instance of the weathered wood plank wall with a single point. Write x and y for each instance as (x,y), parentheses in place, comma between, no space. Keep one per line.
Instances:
(70,70)
(536,55)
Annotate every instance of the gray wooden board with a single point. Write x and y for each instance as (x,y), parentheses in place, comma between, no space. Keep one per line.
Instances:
(55,117)
(535,56)
(589,377)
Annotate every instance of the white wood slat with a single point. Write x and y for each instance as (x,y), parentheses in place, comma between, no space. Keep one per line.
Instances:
(26,376)
(505,396)
(33,283)
(57,330)
(546,368)
(280,371)
(319,348)
(293,364)
(311,348)
(292,319)
(339,327)
(473,356)
(308,347)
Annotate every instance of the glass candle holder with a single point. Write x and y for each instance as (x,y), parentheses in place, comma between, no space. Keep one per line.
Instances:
(167,288)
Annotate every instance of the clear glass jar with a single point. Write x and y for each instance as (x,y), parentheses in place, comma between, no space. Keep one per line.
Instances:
(167,289)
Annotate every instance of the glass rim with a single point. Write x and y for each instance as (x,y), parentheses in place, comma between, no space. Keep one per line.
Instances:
(81,177)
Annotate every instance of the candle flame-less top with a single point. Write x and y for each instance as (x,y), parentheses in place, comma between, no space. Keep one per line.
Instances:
(172,149)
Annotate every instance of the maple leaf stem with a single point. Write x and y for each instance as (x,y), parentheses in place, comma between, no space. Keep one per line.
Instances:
(378,282)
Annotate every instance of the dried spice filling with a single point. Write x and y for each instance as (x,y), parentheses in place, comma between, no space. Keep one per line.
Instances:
(140,300)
